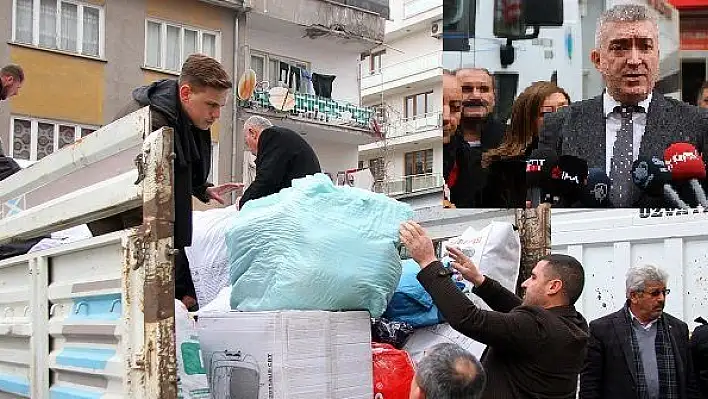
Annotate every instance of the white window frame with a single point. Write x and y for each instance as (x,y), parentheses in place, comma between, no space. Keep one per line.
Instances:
(34,132)
(80,28)
(214,171)
(163,42)
(268,57)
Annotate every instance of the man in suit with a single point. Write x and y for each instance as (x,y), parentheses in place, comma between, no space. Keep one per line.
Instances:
(699,352)
(640,351)
(281,156)
(535,347)
(477,132)
(448,371)
(630,118)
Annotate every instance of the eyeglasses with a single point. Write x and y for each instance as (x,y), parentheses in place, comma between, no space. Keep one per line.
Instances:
(656,293)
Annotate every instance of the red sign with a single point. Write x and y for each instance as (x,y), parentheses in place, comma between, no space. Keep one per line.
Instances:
(694,33)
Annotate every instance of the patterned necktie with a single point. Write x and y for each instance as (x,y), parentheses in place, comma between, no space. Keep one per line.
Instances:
(622,158)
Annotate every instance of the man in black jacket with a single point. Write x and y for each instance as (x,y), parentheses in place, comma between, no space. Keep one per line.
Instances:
(699,352)
(536,346)
(640,351)
(281,156)
(190,106)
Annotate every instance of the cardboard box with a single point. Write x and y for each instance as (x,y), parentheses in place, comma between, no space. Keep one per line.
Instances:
(287,354)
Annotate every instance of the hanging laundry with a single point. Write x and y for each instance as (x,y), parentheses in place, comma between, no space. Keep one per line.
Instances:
(323,84)
(294,78)
(307,80)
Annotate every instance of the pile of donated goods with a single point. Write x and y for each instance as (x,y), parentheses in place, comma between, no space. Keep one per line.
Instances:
(303,294)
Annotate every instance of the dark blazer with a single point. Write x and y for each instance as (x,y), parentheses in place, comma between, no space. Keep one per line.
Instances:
(609,371)
(283,155)
(699,352)
(532,352)
(579,130)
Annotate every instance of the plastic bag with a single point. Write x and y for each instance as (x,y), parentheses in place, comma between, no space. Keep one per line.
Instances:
(191,374)
(390,332)
(316,246)
(208,256)
(393,372)
(411,303)
(496,249)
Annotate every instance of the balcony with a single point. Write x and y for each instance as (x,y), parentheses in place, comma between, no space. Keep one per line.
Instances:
(411,8)
(324,114)
(418,124)
(420,71)
(410,184)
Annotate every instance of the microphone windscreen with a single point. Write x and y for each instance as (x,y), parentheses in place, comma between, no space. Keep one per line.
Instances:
(650,175)
(684,162)
(539,166)
(597,190)
(568,178)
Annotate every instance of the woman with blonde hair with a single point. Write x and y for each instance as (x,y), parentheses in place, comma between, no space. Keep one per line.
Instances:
(506,164)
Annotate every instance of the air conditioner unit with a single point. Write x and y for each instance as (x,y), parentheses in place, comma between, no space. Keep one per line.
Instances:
(436,29)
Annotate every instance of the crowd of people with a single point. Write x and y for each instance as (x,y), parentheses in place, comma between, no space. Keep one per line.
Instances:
(540,346)
(485,161)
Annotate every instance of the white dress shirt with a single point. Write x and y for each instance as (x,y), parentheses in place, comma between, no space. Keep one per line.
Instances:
(613,123)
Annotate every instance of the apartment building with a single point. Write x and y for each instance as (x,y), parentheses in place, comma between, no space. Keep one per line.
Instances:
(313,47)
(403,79)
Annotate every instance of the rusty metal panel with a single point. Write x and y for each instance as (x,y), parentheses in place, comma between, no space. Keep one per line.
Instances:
(148,279)
(607,242)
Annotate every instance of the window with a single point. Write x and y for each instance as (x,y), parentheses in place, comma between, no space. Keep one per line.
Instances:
(34,139)
(419,162)
(279,71)
(214,170)
(59,24)
(375,64)
(168,45)
(418,105)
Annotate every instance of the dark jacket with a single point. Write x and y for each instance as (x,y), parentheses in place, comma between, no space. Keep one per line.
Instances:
(699,352)
(192,147)
(9,167)
(283,155)
(465,162)
(609,372)
(532,352)
(579,130)
(506,181)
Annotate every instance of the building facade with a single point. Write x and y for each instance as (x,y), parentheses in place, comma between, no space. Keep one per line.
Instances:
(403,79)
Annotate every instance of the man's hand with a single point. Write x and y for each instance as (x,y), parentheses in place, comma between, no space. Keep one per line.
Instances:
(216,192)
(465,266)
(418,244)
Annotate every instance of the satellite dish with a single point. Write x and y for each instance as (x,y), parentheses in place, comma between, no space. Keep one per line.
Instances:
(281,99)
(246,85)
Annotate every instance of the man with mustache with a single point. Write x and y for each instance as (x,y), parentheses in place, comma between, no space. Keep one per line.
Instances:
(640,351)
(477,132)
(631,118)
(11,78)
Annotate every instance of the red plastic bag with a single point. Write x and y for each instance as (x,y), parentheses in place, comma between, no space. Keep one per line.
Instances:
(393,372)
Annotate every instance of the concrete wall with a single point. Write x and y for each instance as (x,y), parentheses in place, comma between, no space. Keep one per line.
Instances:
(334,157)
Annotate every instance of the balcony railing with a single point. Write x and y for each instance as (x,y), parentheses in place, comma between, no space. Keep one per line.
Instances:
(320,109)
(400,70)
(410,184)
(412,8)
(416,124)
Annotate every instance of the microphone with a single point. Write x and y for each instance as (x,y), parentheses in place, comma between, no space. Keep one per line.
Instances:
(538,174)
(596,193)
(653,177)
(568,177)
(685,164)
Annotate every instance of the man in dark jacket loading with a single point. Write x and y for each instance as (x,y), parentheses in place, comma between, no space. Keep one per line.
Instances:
(190,106)
(536,347)
(281,156)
